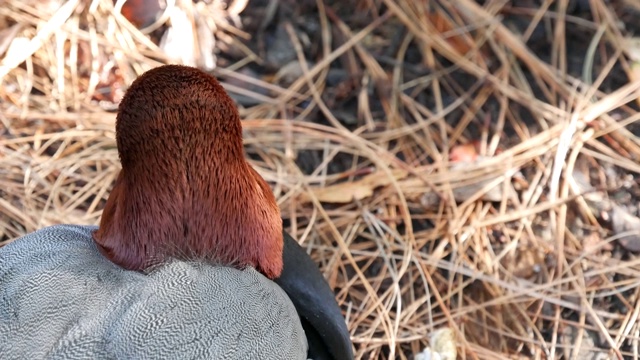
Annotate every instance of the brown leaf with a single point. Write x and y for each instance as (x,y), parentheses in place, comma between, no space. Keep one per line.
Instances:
(355,190)
(141,13)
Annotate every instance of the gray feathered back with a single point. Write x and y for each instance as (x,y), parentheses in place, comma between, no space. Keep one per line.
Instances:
(61,299)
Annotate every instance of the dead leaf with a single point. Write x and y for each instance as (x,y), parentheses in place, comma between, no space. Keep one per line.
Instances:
(141,13)
(461,42)
(347,192)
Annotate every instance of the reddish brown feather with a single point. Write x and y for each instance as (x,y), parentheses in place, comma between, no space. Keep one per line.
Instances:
(185,190)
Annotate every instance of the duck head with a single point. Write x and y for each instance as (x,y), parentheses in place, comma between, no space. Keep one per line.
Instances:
(185,190)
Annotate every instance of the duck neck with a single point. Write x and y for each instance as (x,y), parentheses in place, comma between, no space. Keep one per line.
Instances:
(213,207)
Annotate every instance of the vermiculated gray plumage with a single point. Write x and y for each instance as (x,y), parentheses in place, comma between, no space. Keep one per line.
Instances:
(61,299)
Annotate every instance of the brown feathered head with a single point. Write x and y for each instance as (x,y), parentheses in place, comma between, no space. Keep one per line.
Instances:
(185,190)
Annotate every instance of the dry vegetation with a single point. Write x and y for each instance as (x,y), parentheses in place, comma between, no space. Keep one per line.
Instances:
(447,164)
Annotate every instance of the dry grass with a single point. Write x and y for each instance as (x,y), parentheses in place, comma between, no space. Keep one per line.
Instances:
(512,278)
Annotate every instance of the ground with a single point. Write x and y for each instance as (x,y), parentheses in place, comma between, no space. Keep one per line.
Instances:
(459,165)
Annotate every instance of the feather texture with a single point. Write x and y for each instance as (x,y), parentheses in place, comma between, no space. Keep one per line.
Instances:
(61,299)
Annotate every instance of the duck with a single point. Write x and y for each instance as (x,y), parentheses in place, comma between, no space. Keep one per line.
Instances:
(190,259)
